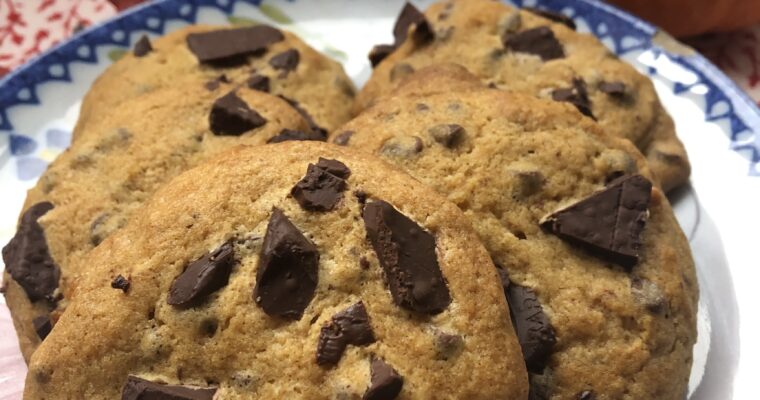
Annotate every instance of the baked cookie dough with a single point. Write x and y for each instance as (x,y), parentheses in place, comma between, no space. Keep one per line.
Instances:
(298,270)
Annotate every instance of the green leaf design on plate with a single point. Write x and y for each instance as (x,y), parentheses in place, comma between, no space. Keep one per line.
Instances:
(338,54)
(242,21)
(275,14)
(116,54)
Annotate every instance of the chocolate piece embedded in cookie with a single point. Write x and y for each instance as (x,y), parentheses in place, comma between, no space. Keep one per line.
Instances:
(202,277)
(537,41)
(141,389)
(230,115)
(226,43)
(321,189)
(385,382)
(292,134)
(350,326)
(286,61)
(576,95)
(142,47)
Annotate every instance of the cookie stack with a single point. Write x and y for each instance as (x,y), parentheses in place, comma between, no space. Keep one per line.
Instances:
(486,226)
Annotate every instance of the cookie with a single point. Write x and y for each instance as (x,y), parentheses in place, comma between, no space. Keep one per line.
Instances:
(259,57)
(524,51)
(597,271)
(116,164)
(240,288)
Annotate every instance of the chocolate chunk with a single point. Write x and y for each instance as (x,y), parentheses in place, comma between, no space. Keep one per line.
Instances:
(230,115)
(538,41)
(202,277)
(142,47)
(586,395)
(141,389)
(121,283)
(286,61)
(290,134)
(287,272)
(576,95)
(402,146)
(27,257)
(609,222)
(350,326)
(42,325)
(614,89)
(229,43)
(379,53)
(342,138)
(214,83)
(259,82)
(411,16)
(361,197)
(553,16)
(407,254)
(448,135)
(320,189)
(534,331)
(448,345)
(334,167)
(312,124)
(385,382)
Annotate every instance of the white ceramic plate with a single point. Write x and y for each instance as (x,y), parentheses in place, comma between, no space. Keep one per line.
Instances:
(717,122)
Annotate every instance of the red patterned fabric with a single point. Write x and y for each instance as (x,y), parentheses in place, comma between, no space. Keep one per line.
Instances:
(28,27)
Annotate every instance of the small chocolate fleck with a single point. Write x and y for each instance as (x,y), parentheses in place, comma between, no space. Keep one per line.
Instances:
(401,70)
(553,16)
(361,196)
(608,223)
(42,326)
(534,331)
(286,61)
(343,138)
(141,389)
(287,273)
(350,326)
(421,107)
(576,95)
(448,345)
(202,277)
(538,41)
(215,83)
(614,89)
(27,257)
(142,47)
(364,263)
(321,189)
(231,116)
(120,282)
(294,135)
(402,146)
(259,82)
(648,294)
(225,44)
(407,254)
(385,382)
(448,135)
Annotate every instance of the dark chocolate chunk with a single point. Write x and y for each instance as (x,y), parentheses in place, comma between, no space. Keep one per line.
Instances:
(27,257)
(141,389)
(42,325)
(407,254)
(214,83)
(228,43)
(342,138)
(120,282)
(385,382)
(534,331)
(259,82)
(361,197)
(142,47)
(379,52)
(553,16)
(291,134)
(448,135)
(286,61)
(287,272)
(539,41)
(312,124)
(609,222)
(576,95)
(614,89)
(230,115)
(202,277)
(320,189)
(586,395)
(350,326)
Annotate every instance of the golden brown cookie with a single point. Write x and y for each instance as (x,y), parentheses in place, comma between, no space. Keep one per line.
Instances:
(299,270)
(598,274)
(536,53)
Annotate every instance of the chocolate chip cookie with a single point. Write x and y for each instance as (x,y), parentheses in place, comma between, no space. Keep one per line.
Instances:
(539,53)
(259,57)
(117,163)
(596,270)
(293,270)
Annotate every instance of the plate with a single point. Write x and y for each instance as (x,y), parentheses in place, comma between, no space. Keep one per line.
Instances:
(717,122)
